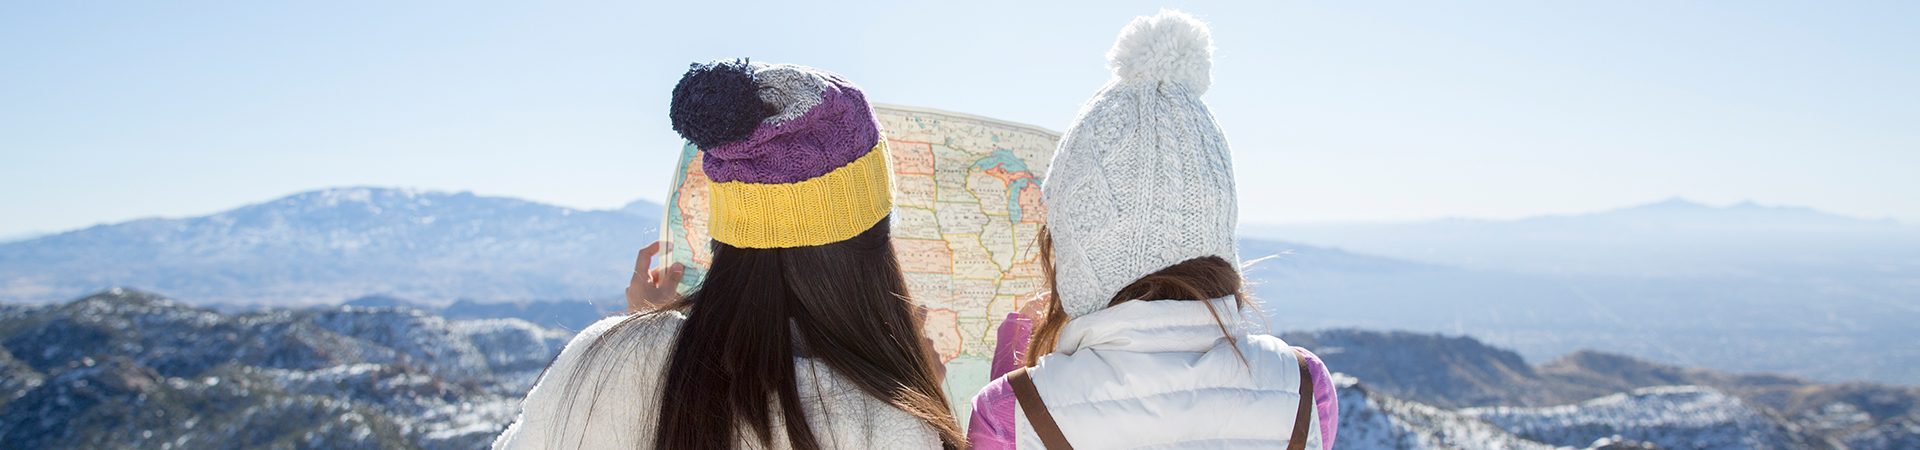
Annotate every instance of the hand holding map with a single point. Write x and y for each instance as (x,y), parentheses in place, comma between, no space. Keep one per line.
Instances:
(650,287)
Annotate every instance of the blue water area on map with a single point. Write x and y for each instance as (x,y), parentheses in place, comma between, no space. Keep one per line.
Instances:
(1005,160)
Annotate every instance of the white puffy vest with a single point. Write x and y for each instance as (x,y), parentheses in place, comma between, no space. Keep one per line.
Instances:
(1162,375)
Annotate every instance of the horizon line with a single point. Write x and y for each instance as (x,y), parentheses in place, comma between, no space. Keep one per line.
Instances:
(23,236)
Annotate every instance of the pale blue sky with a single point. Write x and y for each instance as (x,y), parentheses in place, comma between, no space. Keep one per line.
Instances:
(1337,110)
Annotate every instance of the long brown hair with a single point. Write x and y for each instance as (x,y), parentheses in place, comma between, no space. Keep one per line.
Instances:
(843,304)
(1198,279)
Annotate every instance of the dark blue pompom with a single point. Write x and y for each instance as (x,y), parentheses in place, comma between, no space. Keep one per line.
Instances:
(718,102)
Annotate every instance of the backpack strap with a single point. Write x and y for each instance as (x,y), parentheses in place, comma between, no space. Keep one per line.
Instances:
(1303,418)
(1028,396)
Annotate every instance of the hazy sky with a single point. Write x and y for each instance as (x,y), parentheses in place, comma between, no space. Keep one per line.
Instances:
(1336,110)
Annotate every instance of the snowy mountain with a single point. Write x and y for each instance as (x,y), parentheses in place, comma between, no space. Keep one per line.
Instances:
(334,244)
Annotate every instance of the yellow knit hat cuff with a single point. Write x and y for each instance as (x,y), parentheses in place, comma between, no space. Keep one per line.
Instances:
(821,210)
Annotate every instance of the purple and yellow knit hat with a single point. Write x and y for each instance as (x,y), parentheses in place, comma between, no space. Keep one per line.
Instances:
(794,153)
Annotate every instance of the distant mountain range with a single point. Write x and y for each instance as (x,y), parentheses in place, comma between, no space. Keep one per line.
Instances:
(128,369)
(1675,237)
(330,245)
(1743,288)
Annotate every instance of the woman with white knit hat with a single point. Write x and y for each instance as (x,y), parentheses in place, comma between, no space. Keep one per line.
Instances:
(1146,342)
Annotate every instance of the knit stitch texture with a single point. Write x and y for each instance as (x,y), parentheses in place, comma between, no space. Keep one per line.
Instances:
(1143,179)
(811,170)
(821,122)
(822,210)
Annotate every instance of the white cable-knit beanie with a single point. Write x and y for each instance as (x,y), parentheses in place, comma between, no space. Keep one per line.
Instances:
(1143,179)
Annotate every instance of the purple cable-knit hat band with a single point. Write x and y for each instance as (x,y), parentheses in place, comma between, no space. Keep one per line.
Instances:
(822,122)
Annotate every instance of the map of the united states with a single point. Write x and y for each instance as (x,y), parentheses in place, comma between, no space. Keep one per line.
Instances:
(966,213)
(967,210)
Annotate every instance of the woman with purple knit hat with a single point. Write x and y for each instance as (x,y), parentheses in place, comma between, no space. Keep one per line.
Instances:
(801,335)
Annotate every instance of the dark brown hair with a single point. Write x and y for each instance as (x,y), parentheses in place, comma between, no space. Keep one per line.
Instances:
(843,304)
(1198,279)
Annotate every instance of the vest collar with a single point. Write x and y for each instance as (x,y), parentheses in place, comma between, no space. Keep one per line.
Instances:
(1153,326)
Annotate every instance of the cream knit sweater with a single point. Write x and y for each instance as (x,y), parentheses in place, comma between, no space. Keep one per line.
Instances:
(612,401)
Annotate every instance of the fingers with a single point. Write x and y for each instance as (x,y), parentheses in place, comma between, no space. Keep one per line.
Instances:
(1035,305)
(638,279)
(669,282)
(666,279)
(645,260)
(651,287)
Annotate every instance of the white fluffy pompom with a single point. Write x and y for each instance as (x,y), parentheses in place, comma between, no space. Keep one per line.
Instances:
(1169,47)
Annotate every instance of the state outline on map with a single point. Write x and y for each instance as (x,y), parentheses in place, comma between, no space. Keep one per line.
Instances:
(1002,282)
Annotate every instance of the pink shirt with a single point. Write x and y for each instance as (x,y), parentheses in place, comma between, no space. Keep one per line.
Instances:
(991,427)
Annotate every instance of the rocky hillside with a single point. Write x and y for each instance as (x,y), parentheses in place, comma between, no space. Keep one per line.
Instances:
(126,369)
(1586,395)
(1672,417)
(1692,417)
(1370,420)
